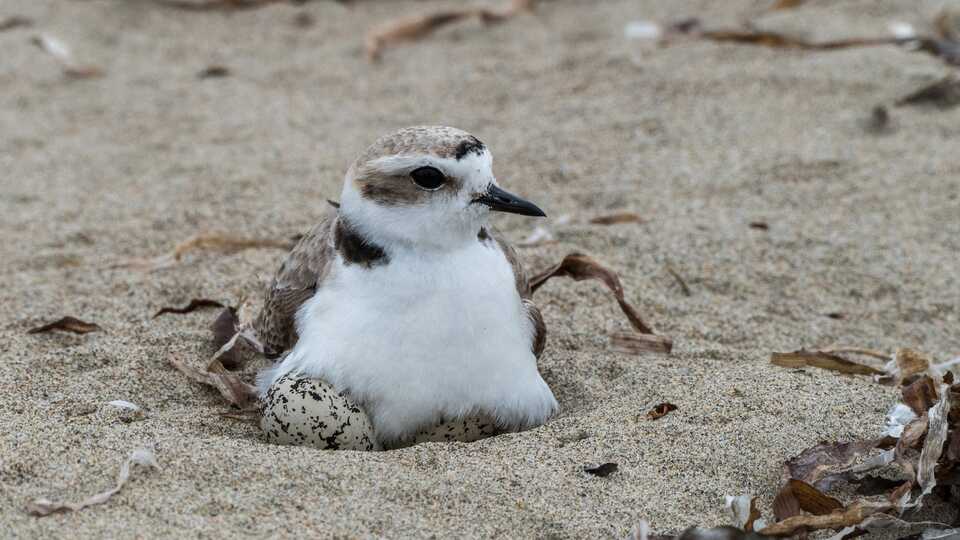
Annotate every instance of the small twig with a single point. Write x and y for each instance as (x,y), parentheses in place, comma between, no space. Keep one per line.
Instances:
(679,280)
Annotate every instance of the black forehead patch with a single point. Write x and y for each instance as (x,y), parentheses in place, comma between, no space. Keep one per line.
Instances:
(468,145)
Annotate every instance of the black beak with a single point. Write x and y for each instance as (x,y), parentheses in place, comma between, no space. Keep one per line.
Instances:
(504,201)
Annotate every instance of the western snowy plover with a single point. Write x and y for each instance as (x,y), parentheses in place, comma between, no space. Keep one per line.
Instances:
(404,299)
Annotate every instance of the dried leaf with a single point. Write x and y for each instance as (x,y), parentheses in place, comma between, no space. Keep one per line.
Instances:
(812,499)
(416,27)
(660,411)
(854,514)
(913,433)
(825,460)
(943,94)
(580,267)
(783,41)
(632,343)
(195,304)
(876,485)
(823,360)
(937,431)
(909,363)
(230,386)
(785,504)
(222,242)
(66,324)
(618,218)
(44,507)
(603,470)
(15,21)
(211,72)
(61,53)
(224,328)
(920,395)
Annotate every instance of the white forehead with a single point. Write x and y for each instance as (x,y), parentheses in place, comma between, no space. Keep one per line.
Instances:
(472,166)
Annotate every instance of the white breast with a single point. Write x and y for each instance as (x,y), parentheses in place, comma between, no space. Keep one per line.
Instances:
(423,337)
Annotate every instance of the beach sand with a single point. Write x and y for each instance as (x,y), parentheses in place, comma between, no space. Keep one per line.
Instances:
(700,139)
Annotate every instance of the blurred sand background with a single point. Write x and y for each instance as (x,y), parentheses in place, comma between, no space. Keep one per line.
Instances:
(700,139)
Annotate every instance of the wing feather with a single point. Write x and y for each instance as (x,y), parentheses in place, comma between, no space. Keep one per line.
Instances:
(525,292)
(304,269)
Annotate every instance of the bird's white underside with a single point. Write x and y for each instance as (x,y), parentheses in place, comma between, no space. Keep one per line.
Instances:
(439,331)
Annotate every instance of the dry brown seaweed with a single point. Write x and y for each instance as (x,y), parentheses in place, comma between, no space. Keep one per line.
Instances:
(580,267)
(66,324)
(195,304)
(823,360)
(415,27)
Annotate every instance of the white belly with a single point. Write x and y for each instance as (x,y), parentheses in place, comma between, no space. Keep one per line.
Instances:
(424,337)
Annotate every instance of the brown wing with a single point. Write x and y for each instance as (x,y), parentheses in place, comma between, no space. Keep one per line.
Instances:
(295,282)
(526,295)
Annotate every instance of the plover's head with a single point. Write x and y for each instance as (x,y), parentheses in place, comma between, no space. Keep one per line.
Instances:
(429,185)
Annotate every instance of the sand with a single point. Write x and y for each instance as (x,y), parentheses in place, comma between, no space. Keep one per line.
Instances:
(700,139)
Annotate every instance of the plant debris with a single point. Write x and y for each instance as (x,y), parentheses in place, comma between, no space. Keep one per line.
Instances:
(209,241)
(15,21)
(195,304)
(580,267)
(661,410)
(224,328)
(603,470)
(823,360)
(66,324)
(635,343)
(212,72)
(684,288)
(920,455)
(230,385)
(61,53)
(943,94)
(44,507)
(760,225)
(617,218)
(413,28)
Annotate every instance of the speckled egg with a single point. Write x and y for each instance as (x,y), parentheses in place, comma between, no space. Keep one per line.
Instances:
(310,412)
(469,429)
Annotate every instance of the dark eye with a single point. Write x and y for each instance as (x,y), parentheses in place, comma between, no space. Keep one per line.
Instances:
(428,177)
